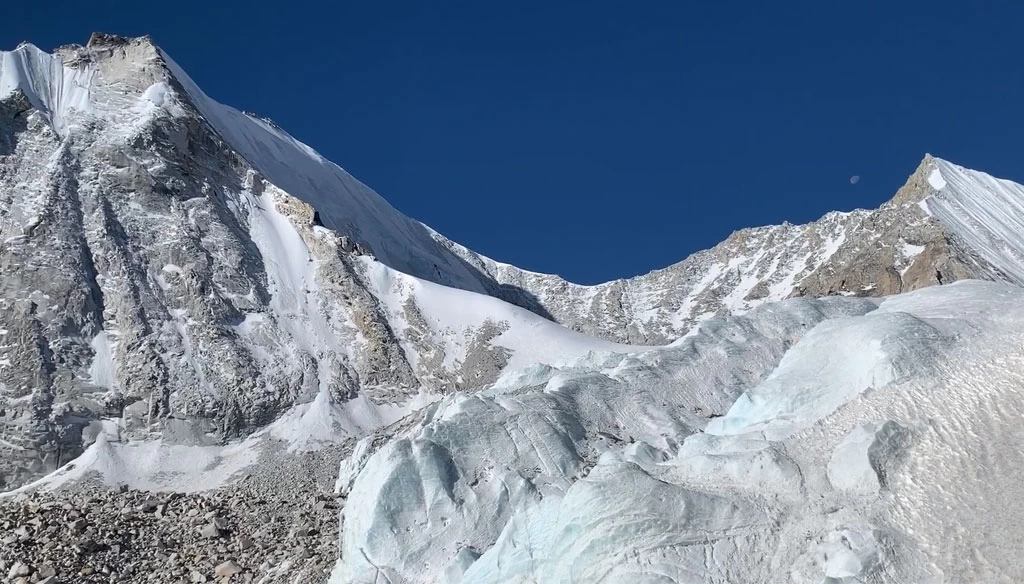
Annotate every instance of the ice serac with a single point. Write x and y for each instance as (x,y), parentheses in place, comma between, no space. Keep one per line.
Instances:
(848,461)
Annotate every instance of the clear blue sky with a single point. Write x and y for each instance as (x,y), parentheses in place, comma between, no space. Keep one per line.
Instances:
(602,139)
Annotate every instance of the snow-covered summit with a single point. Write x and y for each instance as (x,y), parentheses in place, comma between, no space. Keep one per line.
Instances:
(196,272)
(751,267)
(180,281)
(60,86)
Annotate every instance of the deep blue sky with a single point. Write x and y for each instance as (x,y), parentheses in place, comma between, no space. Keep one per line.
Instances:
(602,139)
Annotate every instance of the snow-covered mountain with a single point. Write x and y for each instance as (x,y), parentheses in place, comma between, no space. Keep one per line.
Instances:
(195,271)
(932,231)
(176,274)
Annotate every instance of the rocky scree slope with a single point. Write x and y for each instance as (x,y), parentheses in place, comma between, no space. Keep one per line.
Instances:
(278,523)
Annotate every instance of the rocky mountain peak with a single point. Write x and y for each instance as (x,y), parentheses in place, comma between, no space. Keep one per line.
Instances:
(917,187)
(106,40)
(189,294)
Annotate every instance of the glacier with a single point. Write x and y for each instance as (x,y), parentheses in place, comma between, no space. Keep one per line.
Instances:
(857,420)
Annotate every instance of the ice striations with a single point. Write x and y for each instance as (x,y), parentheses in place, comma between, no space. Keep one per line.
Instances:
(986,214)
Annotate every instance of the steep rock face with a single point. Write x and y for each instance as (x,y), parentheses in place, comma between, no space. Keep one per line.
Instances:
(151,272)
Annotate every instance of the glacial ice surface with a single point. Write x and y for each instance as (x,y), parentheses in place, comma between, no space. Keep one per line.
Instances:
(835,428)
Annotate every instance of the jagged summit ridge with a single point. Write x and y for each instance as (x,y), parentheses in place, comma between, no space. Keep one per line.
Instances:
(60,86)
(899,247)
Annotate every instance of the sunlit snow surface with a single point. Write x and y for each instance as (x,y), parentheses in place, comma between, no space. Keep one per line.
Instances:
(984,211)
(161,465)
(344,203)
(875,441)
(56,91)
(153,465)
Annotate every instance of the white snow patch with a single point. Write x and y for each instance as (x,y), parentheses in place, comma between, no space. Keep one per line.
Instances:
(154,465)
(910,251)
(102,371)
(159,94)
(452,314)
(935,179)
(832,245)
(53,89)
(325,421)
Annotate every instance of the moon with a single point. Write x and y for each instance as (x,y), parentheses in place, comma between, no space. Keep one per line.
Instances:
(854,179)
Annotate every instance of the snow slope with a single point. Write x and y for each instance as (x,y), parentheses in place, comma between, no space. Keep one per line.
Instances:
(324,421)
(57,91)
(886,454)
(343,203)
(985,212)
(152,465)
(450,318)
(214,278)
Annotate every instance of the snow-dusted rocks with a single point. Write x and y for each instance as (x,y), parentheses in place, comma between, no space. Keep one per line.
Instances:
(196,272)
(899,247)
